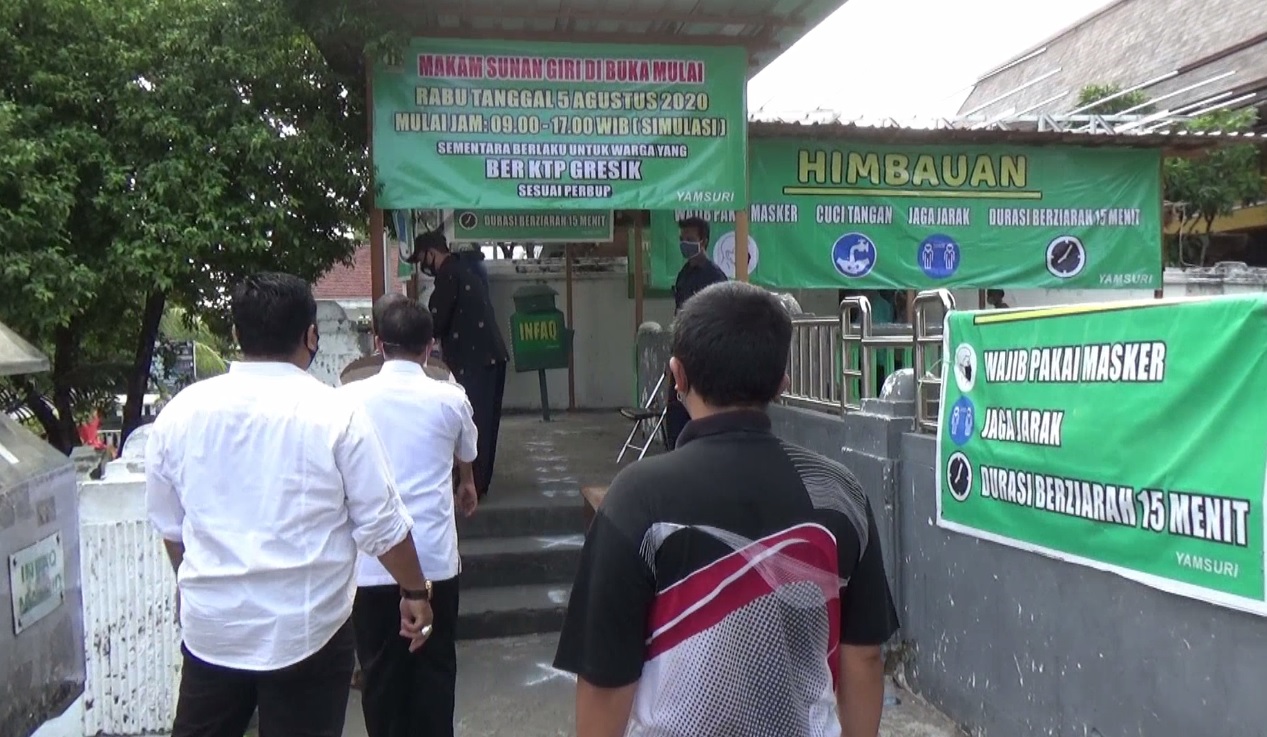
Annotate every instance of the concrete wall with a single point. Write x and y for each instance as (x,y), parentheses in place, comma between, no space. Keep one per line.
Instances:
(1010,643)
(42,667)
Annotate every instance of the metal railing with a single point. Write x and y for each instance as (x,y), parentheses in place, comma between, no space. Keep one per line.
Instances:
(814,365)
(834,362)
(931,309)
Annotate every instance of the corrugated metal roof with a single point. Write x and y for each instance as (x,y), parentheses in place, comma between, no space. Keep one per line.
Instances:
(766,28)
(951,133)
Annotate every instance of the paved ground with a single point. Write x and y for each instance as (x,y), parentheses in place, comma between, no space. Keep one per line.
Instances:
(507,687)
(550,461)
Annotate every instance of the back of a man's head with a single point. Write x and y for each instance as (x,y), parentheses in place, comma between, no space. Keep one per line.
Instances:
(732,340)
(404,326)
(272,313)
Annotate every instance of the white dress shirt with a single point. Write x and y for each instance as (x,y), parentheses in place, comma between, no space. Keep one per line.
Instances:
(424,424)
(272,481)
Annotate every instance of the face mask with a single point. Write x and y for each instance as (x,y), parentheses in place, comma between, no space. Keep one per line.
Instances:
(427,268)
(690,249)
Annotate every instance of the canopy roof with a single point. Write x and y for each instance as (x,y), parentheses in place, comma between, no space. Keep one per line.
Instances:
(766,28)
(18,356)
(951,133)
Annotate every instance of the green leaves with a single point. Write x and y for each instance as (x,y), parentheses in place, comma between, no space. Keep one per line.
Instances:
(1223,179)
(168,146)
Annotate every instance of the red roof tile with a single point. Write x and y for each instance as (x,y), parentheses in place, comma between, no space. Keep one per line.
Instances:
(354,282)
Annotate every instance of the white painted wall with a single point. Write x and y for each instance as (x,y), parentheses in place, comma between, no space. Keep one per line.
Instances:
(131,639)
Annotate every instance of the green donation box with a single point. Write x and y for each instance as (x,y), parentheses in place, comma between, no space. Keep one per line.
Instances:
(539,336)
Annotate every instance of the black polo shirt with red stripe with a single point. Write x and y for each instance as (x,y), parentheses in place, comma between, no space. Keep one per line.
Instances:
(722,578)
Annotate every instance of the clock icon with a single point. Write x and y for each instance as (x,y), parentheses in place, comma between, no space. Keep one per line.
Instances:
(1066,257)
(959,476)
(468,220)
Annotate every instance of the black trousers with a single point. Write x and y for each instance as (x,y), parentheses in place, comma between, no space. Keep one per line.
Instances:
(308,699)
(675,418)
(485,387)
(407,694)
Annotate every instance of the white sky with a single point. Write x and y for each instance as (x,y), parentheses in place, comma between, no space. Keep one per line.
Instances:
(906,58)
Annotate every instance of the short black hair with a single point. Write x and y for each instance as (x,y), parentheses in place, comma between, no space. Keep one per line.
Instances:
(732,340)
(432,240)
(272,313)
(403,325)
(698,223)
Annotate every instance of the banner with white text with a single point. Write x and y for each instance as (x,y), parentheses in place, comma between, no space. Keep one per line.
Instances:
(1130,437)
(516,125)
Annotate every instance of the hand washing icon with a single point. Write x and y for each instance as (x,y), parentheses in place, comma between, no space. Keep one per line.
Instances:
(854,255)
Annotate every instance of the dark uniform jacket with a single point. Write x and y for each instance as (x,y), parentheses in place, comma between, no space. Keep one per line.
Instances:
(695,276)
(464,319)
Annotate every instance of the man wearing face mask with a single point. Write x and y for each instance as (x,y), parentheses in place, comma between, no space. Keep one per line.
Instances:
(697,274)
(470,342)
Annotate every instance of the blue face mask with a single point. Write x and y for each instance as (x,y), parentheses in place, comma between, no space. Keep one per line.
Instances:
(690,249)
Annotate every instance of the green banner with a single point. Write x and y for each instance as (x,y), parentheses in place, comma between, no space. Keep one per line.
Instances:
(514,125)
(865,216)
(554,226)
(1129,437)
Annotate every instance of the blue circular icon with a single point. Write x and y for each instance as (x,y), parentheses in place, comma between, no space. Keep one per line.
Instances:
(853,255)
(939,256)
(963,420)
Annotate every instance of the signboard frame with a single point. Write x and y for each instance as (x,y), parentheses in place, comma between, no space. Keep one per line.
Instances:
(52,573)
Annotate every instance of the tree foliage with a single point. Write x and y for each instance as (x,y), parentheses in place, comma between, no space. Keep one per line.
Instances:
(153,152)
(1204,188)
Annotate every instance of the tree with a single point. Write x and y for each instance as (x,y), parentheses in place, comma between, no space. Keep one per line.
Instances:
(1206,187)
(153,152)
(1135,101)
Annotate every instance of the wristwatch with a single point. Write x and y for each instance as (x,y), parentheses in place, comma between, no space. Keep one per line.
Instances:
(416,595)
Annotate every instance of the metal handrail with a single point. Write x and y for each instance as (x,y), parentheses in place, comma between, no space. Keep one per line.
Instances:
(812,378)
(928,387)
(849,338)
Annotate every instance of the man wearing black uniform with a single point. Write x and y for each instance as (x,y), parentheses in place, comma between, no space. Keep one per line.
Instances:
(470,342)
(734,587)
(697,273)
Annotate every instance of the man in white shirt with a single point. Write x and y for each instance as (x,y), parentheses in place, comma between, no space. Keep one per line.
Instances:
(426,425)
(263,483)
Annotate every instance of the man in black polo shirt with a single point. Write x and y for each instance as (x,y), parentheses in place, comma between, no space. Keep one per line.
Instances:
(696,274)
(734,587)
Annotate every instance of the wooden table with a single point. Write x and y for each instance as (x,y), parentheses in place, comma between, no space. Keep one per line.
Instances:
(593,496)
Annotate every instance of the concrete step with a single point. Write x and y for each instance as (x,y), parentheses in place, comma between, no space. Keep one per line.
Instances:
(520,561)
(562,516)
(509,611)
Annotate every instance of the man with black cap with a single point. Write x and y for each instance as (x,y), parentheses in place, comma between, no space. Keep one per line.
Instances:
(697,274)
(470,341)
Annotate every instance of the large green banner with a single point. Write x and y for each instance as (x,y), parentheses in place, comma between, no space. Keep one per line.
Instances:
(524,125)
(866,216)
(1130,437)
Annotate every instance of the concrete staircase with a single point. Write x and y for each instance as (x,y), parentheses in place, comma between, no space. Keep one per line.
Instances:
(518,561)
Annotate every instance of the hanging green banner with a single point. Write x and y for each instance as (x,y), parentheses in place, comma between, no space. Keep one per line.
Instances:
(866,216)
(532,226)
(514,125)
(1129,437)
